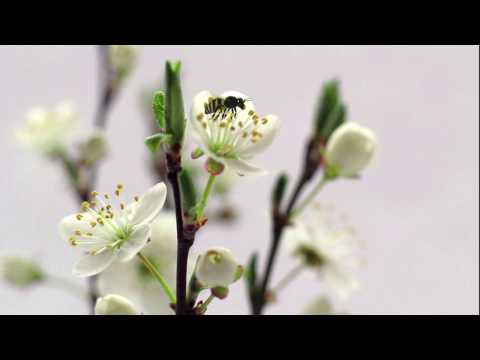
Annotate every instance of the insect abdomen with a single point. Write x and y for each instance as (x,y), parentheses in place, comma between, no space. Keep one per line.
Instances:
(213,105)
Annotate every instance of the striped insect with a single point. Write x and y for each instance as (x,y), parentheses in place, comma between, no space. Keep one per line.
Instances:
(221,107)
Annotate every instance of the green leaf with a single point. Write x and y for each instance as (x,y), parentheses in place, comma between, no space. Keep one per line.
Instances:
(189,195)
(328,101)
(154,141)
(158,105)
(335,119)
(279,190)
(251,271)
(174,111)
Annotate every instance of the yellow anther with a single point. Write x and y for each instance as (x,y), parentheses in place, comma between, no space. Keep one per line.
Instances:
(240,124)
(136,198)
(79,217)
(93,224)
(94,193)
(106,196)
(109,207)
(100,221)
(89,234)
(255,117)
(245,134)
(251,112)
(120,187)
(204,124)
(255,122)
(117,193)
(264,121)
(122,206)
(72,241)
(223,124)
(232,128)
(200,117)
(85,205)
(78,233)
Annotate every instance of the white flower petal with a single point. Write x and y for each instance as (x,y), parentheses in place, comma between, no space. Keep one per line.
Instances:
(149,205)
(114,305)
(242,167)
(350,148)
(135,243)
(268,131)
(93,264)
(216,267)
(198,108)
(70,224)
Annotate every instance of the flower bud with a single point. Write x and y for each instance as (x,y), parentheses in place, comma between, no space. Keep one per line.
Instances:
(319,306)
(20,272)
(93,149)
(114,305)
(122,59)
(216,268)
(349,150)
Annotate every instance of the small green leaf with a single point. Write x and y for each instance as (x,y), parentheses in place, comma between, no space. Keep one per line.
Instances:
(328,101)
(154,141)
(335,119)
(175,120)
(158,105)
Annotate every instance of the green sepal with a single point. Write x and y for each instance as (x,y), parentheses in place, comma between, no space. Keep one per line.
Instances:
(154,141)
(158,105)
(197,153)
(220,292)
(238,274)
(174,111)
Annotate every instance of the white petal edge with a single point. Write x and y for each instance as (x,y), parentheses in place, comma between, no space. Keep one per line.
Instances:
(242,167)
(269,130)
(138,239)
(91,265)
(149,205)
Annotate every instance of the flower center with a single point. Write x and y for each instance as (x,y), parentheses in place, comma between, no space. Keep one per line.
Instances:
(228,132)
(106,222)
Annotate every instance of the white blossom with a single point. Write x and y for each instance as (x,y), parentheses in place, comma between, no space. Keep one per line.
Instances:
(326,248)
(107,234)
(114,305)
(350,149)
(48,130)
(217,267)
(232,137)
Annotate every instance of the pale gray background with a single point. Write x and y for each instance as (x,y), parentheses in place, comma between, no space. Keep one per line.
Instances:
(416,208)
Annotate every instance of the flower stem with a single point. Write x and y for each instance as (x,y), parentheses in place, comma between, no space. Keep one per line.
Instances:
(308,199)
(203,201)
(207,302)
(166,288)
(291,275)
